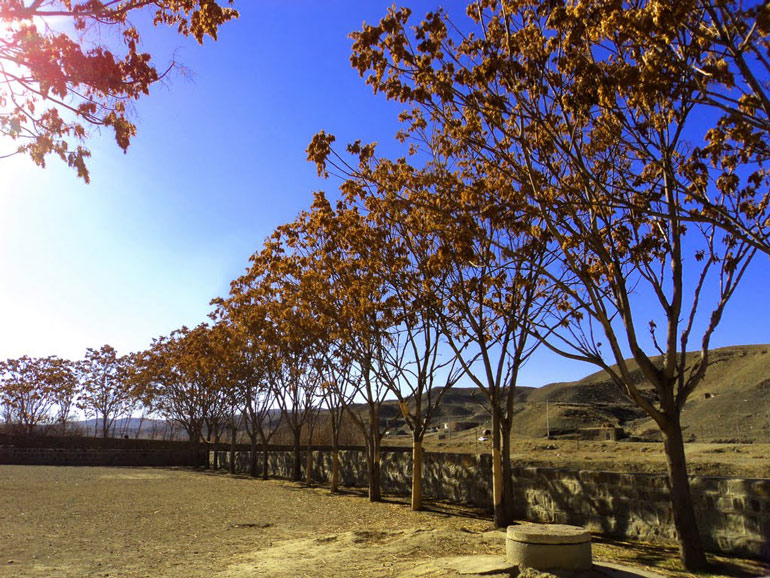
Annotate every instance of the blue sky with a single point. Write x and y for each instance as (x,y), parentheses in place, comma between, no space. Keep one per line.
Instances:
(217,164)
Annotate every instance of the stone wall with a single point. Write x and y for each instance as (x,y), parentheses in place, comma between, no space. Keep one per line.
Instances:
(734,514)
(99,457)
(85,442)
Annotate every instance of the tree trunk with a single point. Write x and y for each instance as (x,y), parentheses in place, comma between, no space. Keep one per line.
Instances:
(505,463)
(264,461)
(216,452)
(690,543)
(231,465)
(297,473)
(253,456)
(373,463)
(309,466)
(195,440)
(417,474)
(497,472)
(375,492)
(335,480)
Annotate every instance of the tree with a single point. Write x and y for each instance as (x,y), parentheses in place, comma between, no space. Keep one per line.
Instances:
(416,365)
(342,285)
(62,378)
(187,377)
(105,392)
(252,362)
(59,76)
(259,414)
(201,361)
(494,298)
(167,388)
(473,279)
(730,75)
(333,391)
(27,398)
(577,108)
(223,362)
(295,387)
(263,304)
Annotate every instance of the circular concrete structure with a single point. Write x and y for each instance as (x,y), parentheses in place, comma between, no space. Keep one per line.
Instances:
(549,546)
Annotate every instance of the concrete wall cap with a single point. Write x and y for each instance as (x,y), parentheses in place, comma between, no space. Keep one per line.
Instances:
(548,534)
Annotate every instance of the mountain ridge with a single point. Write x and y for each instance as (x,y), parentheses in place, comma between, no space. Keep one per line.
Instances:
(735,391)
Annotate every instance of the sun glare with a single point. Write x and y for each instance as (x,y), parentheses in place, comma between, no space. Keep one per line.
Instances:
(7,28)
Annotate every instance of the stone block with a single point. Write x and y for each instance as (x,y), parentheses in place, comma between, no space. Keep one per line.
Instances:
(760,488)
(704,485)
(724,504)
(733,524)
(603,507)
(708,501)
(724,542)
(740,487)
(547,547)
(560,517)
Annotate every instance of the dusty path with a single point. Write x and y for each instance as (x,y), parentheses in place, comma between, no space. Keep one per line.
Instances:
(134,522)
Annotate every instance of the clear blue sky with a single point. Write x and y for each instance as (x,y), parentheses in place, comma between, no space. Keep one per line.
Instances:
(218,163)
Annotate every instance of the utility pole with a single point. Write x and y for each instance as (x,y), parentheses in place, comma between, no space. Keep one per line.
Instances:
(547,422)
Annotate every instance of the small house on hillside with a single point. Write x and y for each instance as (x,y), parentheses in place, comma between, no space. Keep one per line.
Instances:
(607,432)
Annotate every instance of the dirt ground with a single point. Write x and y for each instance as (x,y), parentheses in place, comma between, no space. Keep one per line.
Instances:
(705,459)
(66,522)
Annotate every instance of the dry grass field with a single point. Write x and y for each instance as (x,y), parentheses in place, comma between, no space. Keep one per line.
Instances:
(65,522)
(704,459)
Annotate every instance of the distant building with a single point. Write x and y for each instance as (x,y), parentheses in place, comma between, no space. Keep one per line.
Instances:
(604,433)
(452,426)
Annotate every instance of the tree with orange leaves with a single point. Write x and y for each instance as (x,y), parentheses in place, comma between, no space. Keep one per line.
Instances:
(58,80)
(343,286)
(468,274)
(582,110)
(24,397)
(106,393)
(186,377)
(164,386)
(265,309)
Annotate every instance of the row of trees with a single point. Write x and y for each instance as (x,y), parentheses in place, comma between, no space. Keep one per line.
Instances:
(583,176)
(69,66)
(587,177)
(37,391)
(602,162)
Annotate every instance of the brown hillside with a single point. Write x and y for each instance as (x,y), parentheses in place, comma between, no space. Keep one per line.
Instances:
(732,403)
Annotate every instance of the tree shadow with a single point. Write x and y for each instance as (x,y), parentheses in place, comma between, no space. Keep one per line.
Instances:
(662,556)
(654,555)
(438,507)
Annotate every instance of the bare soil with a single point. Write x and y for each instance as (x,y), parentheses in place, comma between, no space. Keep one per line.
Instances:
(138,522)
(68,522)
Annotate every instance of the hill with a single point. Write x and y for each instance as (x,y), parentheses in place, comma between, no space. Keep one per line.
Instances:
(731,404)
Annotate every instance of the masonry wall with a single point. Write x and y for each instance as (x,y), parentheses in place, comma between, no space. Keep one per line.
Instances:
(733,514)
(99,457)
(88,451)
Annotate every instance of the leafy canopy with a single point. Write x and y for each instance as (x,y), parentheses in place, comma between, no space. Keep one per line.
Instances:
(60,74)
